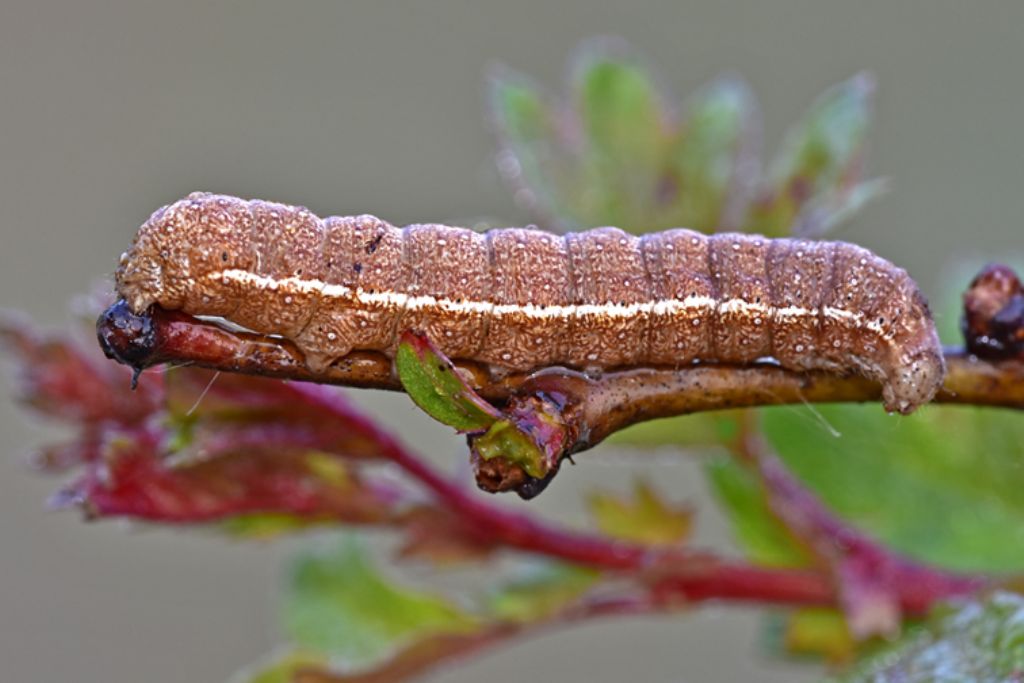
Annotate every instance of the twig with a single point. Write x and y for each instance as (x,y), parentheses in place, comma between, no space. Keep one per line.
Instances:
(574,412)
(611,402)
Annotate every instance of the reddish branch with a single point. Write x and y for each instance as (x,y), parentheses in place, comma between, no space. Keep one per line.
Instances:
(685,574)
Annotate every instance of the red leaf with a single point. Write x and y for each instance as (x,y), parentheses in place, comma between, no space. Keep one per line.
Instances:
(134,479)
(59,379)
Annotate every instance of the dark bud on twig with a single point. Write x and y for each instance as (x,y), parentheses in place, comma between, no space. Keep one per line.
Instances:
(533,487)
(128,338)
(993,322)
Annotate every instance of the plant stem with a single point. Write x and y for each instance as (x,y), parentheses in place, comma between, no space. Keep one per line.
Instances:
(694,576)
(612,402)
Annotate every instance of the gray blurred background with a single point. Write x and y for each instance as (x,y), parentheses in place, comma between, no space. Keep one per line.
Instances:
(110,109)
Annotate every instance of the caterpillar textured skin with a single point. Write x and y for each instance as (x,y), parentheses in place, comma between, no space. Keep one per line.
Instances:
(522,299)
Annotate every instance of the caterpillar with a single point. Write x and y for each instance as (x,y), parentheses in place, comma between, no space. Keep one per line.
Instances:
(519,299)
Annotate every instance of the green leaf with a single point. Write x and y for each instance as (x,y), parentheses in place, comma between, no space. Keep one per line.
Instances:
(505,440)
(718,139)
(542,589)
(626,141)
(819,159)
(339,604)
(531,157)
(818,632)
(264,526)
(283,668)
(942,485)
(619,154)
(838,206)
(645,517)
(619,105)
(519,110)
(435,386)
(977,641)
(764,538)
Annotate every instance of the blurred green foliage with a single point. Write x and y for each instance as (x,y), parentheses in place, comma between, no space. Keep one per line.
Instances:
(539,590)
(340,604)
(763,537)
(619,151)
(978,641)
(943,485)
(643,517)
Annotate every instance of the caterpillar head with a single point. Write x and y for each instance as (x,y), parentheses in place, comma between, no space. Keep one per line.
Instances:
(179,254)
(920,368)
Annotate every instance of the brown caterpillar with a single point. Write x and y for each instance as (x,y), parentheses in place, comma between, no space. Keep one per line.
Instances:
(522,299)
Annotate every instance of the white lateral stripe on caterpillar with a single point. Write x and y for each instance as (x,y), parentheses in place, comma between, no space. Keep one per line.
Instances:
(402,300)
